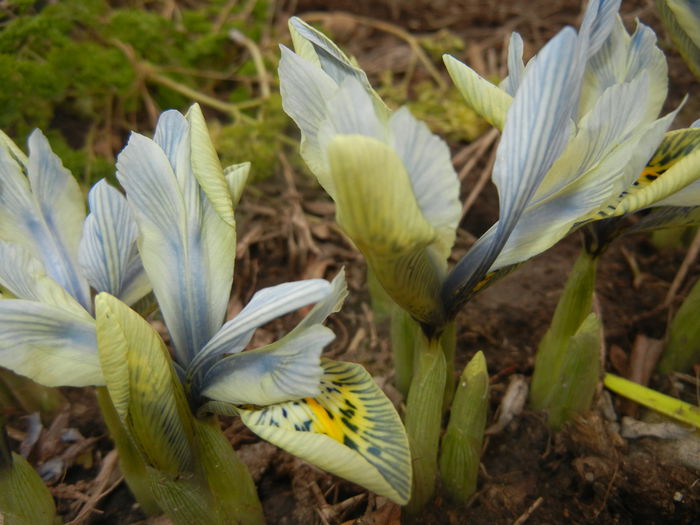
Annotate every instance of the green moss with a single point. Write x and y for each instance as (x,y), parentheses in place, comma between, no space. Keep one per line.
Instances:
(258,142)
(446,113)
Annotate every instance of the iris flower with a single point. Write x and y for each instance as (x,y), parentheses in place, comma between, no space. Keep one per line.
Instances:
(579,125)
(179,214)
(608,157)
(50,256)
(328,412)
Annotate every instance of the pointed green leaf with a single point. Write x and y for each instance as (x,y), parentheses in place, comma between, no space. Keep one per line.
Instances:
(423,418)
(49,344)
(24,499)
(351,429)
(460,453)
(228,477)
(572,309)
(682,350)
(143,386)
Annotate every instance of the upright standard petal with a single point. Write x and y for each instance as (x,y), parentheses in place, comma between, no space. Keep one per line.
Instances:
(536,131)
(49,344)
(516,68)
(41,207)
(187,249)
(350,429)
(108,254)
(682,21)
(315,47)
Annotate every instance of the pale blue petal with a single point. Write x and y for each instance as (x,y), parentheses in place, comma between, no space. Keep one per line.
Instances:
(598,22)
(331,59)
(48,344)
(516,68)
(108,254)
(536,131)
(266,305)
(305,89)
(283,371)
(44,212)
(428,162)
(25,277)
(181,242)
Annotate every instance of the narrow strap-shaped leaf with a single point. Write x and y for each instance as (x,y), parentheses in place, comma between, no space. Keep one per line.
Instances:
(182,240)
(377,208)
(351,429)
(487,99)
(49,344)
(24,498)
(284,370)
(41,207)
(108,253)
(144,387)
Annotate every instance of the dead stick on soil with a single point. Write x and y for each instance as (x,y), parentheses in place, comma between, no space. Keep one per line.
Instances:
(480,183)
(98,490)
(683,270)
(387,28)
(526,515)
(478,147)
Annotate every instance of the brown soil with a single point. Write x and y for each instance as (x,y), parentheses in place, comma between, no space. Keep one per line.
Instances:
(587,473)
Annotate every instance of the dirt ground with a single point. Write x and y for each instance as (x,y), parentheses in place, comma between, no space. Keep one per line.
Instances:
(587,473)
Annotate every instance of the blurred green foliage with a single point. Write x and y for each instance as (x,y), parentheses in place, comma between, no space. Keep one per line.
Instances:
(79,69)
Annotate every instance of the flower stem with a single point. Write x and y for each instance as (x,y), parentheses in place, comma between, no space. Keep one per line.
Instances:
(423,418)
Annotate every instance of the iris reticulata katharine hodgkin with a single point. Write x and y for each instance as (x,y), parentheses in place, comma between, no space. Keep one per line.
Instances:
(179,212)
(579,124)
